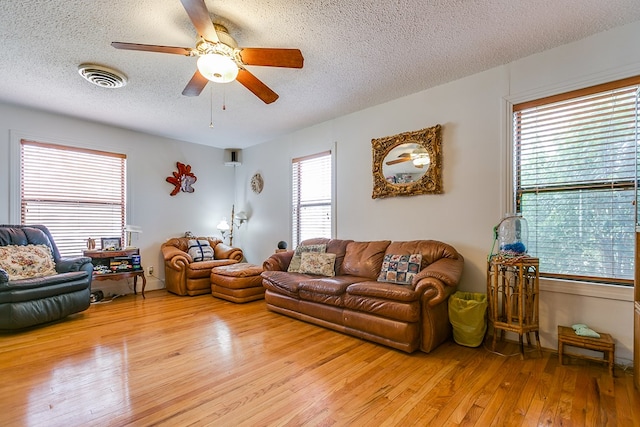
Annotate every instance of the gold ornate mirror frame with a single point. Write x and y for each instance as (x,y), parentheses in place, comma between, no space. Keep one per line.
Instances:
(429,183)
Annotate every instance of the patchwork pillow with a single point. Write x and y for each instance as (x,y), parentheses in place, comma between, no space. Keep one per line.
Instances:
(400,269)
(27,261)
(321,264)
(294,265)
(200,250)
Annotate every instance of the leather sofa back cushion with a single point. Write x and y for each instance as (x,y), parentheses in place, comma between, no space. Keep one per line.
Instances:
(182,243)
(431,250)
(334,246)
(26,262)
(23,236)
(364,259)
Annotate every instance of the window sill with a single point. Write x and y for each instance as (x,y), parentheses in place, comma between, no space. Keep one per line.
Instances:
(587,289)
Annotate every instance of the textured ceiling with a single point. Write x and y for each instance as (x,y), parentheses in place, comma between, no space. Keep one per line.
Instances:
(357,54)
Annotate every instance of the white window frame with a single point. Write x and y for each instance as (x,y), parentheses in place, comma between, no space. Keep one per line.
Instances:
(15,147)
(331,153)
(552,285)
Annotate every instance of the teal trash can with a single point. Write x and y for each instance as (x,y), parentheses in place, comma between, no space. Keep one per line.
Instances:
(467,314)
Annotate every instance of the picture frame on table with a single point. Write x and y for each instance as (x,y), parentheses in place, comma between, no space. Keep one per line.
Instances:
(111,243)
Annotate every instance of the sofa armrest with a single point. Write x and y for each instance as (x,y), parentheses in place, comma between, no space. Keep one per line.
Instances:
(66,265)
(435,314)
(448,270)
(433,291)
(278,262)
(175,258)
(222,251)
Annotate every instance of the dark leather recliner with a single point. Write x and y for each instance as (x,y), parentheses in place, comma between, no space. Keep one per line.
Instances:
(32,301)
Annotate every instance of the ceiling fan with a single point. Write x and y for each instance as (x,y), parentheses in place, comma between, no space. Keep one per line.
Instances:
(219,58)
(420,158)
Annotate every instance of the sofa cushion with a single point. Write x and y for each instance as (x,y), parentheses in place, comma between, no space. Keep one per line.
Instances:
(431,250)
(320,264)
(383,290)
(294,266)
(400,269)
(283,282)
(392,301)
(364,258)
(202,269)
(397,310)
(329,285)
(26,262)
(200,250)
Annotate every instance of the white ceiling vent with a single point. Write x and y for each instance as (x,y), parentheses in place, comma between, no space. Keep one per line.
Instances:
(102,76)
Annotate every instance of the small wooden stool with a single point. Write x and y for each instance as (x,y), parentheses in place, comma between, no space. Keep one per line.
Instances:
(605,344)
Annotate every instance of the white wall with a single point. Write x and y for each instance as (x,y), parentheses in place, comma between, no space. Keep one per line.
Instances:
(150,160)
(474,113)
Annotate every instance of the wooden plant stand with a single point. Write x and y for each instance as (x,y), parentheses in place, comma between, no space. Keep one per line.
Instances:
(512,294)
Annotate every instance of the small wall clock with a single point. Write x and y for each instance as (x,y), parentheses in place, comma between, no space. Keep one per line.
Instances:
(257,183)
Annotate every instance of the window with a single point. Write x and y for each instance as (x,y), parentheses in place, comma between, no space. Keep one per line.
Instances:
(575,181)
(76,193)
(312,199)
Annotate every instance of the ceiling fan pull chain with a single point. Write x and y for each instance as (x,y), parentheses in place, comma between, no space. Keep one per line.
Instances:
(211,106)
(224,99)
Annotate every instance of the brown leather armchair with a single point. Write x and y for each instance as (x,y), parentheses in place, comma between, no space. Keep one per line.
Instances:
(183,276)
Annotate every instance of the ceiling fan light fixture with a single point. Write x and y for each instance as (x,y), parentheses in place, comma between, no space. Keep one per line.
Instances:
(421,161)
(217,68)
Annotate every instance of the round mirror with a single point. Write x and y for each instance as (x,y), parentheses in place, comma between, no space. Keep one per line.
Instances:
(406,163)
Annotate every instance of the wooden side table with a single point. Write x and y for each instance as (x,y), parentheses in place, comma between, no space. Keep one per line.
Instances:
(104,258)
(605,344)
(512,294)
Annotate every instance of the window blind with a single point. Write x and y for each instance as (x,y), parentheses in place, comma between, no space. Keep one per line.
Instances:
(76,193)
(575,181)
(311,197)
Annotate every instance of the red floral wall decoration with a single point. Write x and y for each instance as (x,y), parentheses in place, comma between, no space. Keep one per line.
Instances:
(183,179)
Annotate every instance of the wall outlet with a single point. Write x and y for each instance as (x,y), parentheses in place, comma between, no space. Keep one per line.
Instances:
(150,270)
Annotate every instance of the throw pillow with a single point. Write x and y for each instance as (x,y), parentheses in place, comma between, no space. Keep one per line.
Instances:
(321,264)
(294,265)
(400,269)
(27,261)
(200,250)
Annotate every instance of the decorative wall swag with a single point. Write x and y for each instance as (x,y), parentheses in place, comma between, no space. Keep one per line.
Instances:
(408,164)
(183,179)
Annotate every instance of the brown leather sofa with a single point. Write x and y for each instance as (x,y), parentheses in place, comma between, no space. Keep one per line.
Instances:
(406,317)
(183,276)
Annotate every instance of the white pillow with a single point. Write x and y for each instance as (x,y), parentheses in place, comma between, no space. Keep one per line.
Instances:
(321,264)
(294,265)
(200,250)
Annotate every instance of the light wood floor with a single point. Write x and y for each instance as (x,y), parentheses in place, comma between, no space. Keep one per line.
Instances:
(180,361)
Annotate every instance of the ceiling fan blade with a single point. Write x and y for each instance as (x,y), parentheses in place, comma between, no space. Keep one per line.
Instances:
(152,48)
(199,15)
(195,85)
(288,58)
(258,88)
(393,162)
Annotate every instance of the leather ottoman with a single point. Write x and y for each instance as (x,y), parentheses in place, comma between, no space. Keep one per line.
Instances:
(237,282)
